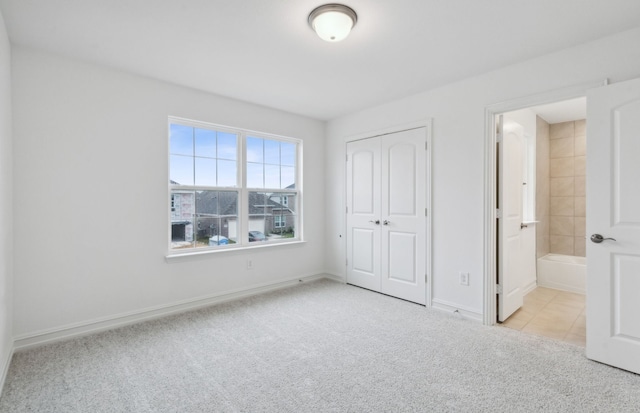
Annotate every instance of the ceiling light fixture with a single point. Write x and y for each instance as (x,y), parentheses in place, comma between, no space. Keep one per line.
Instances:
(333,22)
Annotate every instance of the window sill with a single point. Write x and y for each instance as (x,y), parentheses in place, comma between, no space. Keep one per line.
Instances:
(175,256)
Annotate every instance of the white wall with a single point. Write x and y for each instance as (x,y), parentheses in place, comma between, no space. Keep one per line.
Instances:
(458,152)
(90,166)
(6,203)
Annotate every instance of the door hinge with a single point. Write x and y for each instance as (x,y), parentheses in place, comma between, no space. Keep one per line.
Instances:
(498,289)
(426,278)
(426,212)
(426,146)
(498,213)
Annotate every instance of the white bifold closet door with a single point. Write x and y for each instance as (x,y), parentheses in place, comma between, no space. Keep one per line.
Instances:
(386,216)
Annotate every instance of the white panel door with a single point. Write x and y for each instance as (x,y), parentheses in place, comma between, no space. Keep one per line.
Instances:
(386,225)
(613,211)
(403,239)
(510,257)
(363,213)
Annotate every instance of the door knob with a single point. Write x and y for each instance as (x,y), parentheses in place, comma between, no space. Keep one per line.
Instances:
(385,222)
(597,238)
(377,222)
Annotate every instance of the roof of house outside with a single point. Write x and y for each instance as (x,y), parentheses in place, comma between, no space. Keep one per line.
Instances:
(225,203)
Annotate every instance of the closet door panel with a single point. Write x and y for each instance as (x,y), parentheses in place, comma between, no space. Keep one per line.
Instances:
(402,180)
(363,210)
(403,240)
(402,257)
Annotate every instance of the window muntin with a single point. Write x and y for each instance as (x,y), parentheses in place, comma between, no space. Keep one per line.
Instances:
(212,202)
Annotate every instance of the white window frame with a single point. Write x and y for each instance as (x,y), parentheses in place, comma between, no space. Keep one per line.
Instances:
(240,188)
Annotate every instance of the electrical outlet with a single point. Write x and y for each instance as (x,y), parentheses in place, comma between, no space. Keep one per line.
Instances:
(464,278)
(249,264)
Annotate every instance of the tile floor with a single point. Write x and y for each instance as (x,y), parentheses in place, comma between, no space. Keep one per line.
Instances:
(552,313)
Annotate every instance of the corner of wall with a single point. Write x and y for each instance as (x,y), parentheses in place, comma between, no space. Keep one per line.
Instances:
(6,205)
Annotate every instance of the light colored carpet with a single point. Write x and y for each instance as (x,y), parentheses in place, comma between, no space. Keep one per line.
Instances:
(317,347)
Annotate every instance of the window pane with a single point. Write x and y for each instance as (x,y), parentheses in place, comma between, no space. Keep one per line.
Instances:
(216,218)
(285,201)
(284,217)
(287,154)
(255,177)
(227,146)
(181,140)
(271,152)
(255,151)
(205,171)
(181,171)
(228,210)
(288,177)
(227,173)
(182,215)
(207,219)
(257,210)
(293,203)
(269,215)
(284,226)
(272,176)
(205,143)
(258,204)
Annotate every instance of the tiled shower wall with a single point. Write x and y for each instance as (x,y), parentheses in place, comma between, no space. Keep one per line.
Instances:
(542,187)
(567,144)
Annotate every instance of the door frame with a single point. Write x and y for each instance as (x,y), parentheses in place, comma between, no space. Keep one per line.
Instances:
(426,123)
(490,193)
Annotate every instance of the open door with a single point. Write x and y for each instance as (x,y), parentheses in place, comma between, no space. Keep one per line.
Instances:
(510,164)
(613,222)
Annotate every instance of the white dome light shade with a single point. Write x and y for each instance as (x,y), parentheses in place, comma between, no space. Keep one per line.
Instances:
(332,22)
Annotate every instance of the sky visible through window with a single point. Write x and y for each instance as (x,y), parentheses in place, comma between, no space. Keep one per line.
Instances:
(204,157)
(270,164)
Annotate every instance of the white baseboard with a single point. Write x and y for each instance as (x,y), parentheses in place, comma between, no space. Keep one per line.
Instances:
(334,277)
(527,289)
(120,320)
(562,286)
(455,308)
(6,362)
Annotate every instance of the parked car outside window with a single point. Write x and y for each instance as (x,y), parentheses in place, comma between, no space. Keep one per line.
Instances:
(256,236)
(218,240)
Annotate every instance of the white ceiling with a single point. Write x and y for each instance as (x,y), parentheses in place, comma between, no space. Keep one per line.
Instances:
(263,51)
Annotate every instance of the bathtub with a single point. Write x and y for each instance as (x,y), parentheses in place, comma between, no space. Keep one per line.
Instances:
(563,272)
